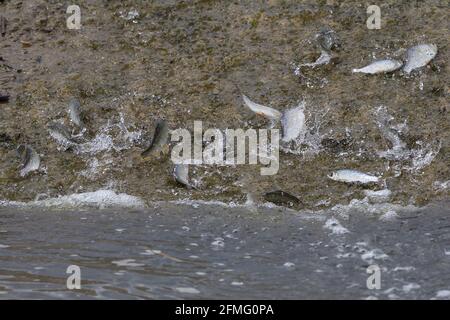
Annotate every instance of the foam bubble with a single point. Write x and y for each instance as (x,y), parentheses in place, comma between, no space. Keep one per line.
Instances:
(99,199)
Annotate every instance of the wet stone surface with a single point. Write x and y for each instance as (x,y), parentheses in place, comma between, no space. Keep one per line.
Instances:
(182,60)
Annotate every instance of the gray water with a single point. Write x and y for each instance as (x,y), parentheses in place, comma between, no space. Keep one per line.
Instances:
(208,251)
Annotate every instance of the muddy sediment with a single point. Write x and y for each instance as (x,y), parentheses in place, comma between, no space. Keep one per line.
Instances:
(181,61)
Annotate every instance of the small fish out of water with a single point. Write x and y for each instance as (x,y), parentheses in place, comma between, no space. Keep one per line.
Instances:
(282,198)
(267,112)
(292,120)
(352,176)
(380,66)
(159,140)
(75,112)
(4,98)
(29,158)
(324,58)
(419,56)
(181,175)
(61,135)
(327,39)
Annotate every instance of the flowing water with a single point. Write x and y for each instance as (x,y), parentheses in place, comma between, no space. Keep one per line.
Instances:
(199,250)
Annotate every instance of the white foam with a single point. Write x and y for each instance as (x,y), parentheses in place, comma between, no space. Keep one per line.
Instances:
(101,142)
(127,263)
(365,207)
(99,199)
(378,196)
(408,268)
(197,203)
(218,243)
(410,286)
(334,225)
(187,290)
(389,216)
(375,254)
(289,265)
(443,294)
(419,158)
(441,185)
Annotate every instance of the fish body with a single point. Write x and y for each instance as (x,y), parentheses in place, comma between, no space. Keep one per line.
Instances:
(293,123)
(181,175)
(324,58)
(160,138)
(282,198)
(380,66)
(75,113)
(352,176)
(292,120)
(264,111)
(327,40)
(29,158)
(419,56)
(61,135)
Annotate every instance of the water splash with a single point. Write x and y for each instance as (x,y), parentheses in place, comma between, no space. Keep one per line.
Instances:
(391,132)
(95,167)
(418,158)
(108,139)
(308,144)
(98,199)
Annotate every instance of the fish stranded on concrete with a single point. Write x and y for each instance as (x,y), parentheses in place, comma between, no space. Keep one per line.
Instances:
(61,135)
(159,140)
(181,175)
(327,39)
(380,66)
(29,158)
(324,58)
(264,111)
(353,176)
(292,120)
(75,113)
(416,57)
(282,198)
(419,56)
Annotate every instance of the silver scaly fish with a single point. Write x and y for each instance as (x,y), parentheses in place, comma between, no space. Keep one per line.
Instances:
(352,176)
(380,66)
(29,158)
(419,56)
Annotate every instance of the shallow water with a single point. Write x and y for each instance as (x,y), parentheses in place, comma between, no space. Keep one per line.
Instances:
(212,251)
